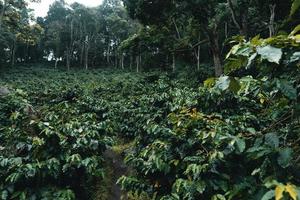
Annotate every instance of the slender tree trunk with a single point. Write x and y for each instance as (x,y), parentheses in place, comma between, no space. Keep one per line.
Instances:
(108,54)
(137,64)
(226,30)
(27,52)
(13,53)
(122,61)
(174,62)
(86,60)
(56,62)
(140,62)
(272,20)
(2,14)
(130,64)
(116,59)
(198,58)
(68,59)
(242,24)
(81,55)
(215,49)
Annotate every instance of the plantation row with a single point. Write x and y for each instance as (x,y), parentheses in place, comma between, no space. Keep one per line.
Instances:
(233,137)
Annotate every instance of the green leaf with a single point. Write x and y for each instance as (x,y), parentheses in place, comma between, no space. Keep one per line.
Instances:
(295,57)
(223,83)
(272,140)
(234,85)
(269,195)
(285,157)
(287,89)
(241,144)
(210,82)
(270,53)
(226,82)
(296,30)
(4,195)
(295,7)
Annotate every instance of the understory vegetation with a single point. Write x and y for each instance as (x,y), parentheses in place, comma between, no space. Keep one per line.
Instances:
(161,120)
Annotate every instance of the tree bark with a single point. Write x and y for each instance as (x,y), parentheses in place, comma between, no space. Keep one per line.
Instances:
(137,64)
(86,59)
(68,59)
(122,61)
(2,14)
(198,58)
(13,53)
(215,49)
(272,20)
(173,62)
(242,24)
(130,64)
(56,62)
(108,53)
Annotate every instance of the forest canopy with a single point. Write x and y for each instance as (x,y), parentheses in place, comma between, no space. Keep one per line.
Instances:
(150,99)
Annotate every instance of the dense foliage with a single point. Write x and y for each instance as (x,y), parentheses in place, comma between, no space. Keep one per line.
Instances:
(242,147)
(186,136)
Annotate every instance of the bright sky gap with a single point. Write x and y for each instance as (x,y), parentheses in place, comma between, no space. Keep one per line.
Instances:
(41,9)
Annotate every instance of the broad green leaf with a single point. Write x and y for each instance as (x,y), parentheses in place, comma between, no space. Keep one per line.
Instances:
(226,82)
(269,195)
(270,53)
(241,144)
(233,50)
(251,59)
(272,140)
(218,197)
(295,57)
(234,85)
(287,89)
(295,7)
(297,38)
(296,30)
(4,195)
(285,157)
(223,83)
(209,82)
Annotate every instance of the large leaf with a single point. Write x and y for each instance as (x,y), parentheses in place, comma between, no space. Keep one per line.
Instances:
(272,140)
(285,157)
(295,6)
(269,195)
(287,89)
(270,53)
(295,57)
(226,82)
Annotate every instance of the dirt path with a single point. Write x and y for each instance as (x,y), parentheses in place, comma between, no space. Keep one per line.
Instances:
(119,169)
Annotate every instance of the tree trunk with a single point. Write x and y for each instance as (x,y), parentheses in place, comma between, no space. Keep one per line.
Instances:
(173,62)
(13,53)
(137,64)
(122,61)
(215,49)
(140,62)
(2,14)
(198,58)
(81,55)
(86,59)
(108,54)
(242,24)
(56,62)
(68,59)
(130,64)
(272,20)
